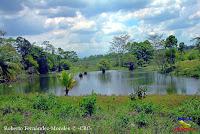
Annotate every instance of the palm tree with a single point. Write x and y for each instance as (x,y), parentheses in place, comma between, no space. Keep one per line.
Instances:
(67,81)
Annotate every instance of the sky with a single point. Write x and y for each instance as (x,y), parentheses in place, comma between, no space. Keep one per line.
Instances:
(87,26)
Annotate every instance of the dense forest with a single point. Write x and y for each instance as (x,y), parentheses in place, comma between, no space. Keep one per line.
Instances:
(19,56)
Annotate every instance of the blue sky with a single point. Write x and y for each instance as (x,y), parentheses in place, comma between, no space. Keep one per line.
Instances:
(87,26)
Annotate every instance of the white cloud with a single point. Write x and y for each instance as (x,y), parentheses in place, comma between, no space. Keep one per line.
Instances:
(196,15)
(79,22)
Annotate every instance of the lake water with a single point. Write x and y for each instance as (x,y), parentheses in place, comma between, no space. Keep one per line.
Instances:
(111,83)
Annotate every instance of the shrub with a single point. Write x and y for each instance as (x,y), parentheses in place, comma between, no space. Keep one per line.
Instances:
(67,110)
(189,108)
(140,93)
(142,119)
(188,68)
(145,107)
(132,96)
(88,104)
(44,102)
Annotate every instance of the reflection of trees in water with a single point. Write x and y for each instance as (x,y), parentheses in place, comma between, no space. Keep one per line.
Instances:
(171,86)
(44,83)
(104,78)
(139,79)
(183,90)
(53,82)
(31,85)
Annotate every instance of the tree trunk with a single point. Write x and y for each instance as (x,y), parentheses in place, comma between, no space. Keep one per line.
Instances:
(66,92)
(103,71)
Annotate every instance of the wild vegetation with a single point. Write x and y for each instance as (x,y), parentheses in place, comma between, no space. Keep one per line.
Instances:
(100,114)
(165,55)
(136,113)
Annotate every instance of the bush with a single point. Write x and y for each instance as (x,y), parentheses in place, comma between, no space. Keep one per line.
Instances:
(88,104)
(142,119)
(66,111)
(44,102)
(132,96)
(188,68)
(140,93)
(189,108)
(121,123)
(145,107)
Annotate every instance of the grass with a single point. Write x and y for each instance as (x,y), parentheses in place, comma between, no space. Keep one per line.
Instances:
(110,114)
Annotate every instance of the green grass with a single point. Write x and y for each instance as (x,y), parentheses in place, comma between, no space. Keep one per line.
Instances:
(110,114)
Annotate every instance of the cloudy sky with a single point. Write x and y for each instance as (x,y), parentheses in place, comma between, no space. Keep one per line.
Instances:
(87,26)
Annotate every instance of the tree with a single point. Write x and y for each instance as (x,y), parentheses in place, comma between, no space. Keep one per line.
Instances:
(158,43)
(197,42)
(71,56)
(103,65)
(23,47)
(43,64)
(171,44)
(181,49)
(142,50)
(118,45)
(130,60)
(67,81)
(2,33)
(49,47)
(9,63)
(65,64)
(156,40)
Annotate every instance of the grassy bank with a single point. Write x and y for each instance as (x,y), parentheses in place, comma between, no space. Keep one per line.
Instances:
(190,68)
(109,114)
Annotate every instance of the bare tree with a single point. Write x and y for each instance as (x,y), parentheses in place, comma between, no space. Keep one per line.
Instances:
(197,42)
(156,40)
(159,55)
(2,33)
(118,45)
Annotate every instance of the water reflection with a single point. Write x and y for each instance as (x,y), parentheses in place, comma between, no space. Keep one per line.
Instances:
(104,78)
(112,82)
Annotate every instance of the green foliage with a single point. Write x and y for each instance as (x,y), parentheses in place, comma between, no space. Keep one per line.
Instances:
(65,64)
(146,107)
(171,41)
(142,119)
(171,55)
(189,108)
(104,64)
(142,50)
(67,111)
(31,61)
(132,96)
(10,64)
(181,47)
(192,56)
(121,123)
(140,93)
(189,68)
(88,105)
(67,80)
(129,58)
(44,102)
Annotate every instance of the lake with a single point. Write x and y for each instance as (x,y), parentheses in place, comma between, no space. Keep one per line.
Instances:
(113,82)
